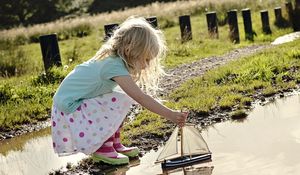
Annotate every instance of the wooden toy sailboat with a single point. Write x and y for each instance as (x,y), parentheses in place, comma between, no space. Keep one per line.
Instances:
(193,149)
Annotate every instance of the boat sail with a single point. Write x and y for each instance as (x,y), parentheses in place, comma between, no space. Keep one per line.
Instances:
(193,148)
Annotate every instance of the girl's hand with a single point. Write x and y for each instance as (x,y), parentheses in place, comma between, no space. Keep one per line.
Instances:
(179,118)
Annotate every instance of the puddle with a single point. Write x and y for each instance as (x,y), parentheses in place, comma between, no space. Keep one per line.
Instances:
(286,38)
(31,154)
(266,143)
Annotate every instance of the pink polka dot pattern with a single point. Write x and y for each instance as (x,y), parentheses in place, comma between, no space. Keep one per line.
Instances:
(81,134)
(90,124)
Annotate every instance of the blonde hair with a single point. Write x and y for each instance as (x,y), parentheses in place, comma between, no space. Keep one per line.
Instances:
(142,48)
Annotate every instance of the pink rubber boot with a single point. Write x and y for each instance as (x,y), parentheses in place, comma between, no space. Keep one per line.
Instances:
(128,151)
(106,153)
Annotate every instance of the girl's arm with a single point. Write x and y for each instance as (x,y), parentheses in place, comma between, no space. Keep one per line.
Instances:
(131,89)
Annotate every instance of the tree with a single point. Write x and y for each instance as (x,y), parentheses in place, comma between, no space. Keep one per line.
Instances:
(25,12)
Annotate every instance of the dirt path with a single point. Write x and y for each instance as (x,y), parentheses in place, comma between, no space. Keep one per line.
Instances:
(185,72)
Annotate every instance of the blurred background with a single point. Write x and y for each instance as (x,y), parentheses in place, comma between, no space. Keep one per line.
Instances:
(27,12)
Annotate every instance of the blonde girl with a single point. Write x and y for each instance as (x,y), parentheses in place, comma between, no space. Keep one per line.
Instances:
(88,110)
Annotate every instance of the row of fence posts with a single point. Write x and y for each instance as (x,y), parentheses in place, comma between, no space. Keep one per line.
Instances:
(51,54)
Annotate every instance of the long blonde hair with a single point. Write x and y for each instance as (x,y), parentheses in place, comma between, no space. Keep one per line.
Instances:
(142,48)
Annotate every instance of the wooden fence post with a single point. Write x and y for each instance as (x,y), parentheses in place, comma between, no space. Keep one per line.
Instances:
(50,51)
(265,22)
(153,21)
(212,24)
(296,16)
(109,29)
(233,26)
(246,13)
(278,16)
(289,11)
(185,27)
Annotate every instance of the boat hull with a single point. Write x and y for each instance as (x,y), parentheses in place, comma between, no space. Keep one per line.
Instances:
(185,161)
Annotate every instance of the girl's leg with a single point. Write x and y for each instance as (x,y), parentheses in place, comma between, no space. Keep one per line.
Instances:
(119,147)
(108,154)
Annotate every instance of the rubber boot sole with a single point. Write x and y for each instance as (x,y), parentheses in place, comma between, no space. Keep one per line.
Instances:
(132,153)
(111,161)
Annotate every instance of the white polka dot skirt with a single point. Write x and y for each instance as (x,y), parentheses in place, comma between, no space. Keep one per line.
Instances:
(86,129)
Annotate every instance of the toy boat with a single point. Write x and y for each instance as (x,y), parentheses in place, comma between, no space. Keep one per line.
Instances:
(193,149)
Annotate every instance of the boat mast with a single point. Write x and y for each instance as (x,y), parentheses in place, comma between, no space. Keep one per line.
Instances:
(181,141)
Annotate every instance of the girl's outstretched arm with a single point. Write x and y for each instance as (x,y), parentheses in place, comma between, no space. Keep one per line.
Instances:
(131,89)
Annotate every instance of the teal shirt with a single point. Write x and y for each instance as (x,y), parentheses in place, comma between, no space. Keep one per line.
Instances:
(88,80)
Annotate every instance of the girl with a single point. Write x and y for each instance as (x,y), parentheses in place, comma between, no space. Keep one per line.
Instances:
(87,109)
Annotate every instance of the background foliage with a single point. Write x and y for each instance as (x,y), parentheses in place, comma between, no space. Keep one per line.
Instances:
(26,12)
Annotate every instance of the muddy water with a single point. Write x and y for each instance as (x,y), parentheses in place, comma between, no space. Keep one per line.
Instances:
(266,143)
(31,154)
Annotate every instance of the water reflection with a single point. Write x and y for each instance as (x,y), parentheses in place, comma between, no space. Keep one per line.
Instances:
(267,142)
(31,154)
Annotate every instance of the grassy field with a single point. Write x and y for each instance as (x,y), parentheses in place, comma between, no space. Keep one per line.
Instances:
(26,97)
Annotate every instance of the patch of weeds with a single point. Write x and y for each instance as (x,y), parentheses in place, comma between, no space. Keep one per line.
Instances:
(228,101)
(53,76)
(80,30)
(13,62)
(295,53)
(181,51)
(73,55)
(285,86)
(5,93)
(269,91)
(246,101)
(257,85)
(166,23)
(21,39)
(238,115)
